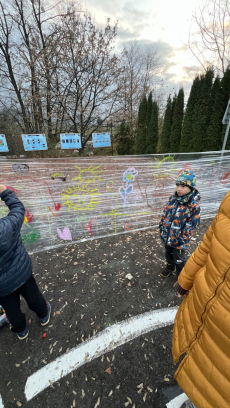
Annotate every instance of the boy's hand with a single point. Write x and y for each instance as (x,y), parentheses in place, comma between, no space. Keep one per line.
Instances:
(2,188)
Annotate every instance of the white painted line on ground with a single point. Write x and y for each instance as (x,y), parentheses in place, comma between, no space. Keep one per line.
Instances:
(98,345)
(177,402)
(1,402)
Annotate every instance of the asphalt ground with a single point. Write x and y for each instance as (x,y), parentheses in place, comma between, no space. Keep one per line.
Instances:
(92,286)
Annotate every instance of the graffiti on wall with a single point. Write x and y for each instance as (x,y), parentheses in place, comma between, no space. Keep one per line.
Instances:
(67,202)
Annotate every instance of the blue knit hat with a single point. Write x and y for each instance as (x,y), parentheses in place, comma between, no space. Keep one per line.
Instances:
(187,178)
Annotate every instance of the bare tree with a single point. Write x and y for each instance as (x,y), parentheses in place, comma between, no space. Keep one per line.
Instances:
(28,37)
(59,69)
(87,79)
(59,72)
(142,72)
(209,41)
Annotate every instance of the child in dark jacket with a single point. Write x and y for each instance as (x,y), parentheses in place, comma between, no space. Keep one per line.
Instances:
(16,269)
(180,218)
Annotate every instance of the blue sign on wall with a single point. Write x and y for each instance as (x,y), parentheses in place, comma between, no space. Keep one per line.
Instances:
(3,144)
(34,142)
(70,140)
(101,139)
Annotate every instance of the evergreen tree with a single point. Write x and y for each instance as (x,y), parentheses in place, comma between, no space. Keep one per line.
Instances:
(149,110)
(166,130)
(152,130)
(225,89)
(125,145)
(201,113)
(140,144)
(173,108)
(177,121)
(213,141)
(187,134)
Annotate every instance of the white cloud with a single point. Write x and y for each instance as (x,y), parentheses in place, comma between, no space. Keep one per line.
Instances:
(164,23)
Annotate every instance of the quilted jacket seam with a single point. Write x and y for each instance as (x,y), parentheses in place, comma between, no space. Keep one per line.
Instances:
(203,323)
(211,384)
(201,327)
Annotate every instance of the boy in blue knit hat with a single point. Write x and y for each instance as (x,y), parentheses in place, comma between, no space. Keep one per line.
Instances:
(180,218)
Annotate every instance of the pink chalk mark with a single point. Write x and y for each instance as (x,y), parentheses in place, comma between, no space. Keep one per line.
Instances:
(65,234)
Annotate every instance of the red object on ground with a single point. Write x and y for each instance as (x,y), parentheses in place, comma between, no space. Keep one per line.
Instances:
(44,336)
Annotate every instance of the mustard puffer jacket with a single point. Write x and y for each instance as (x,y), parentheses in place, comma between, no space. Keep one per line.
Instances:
(202,324)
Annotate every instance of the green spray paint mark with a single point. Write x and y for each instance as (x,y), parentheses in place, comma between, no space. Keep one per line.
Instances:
(31,237)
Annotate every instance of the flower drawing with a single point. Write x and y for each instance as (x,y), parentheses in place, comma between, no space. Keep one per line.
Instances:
(129,177)
(130,174)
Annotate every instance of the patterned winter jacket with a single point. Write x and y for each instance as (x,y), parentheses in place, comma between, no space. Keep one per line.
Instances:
(180,217)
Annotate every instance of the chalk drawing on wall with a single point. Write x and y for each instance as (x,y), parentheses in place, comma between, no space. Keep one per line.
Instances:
(104,196)
(129,177)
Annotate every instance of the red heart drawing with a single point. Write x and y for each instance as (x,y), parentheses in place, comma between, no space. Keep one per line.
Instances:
(57,206)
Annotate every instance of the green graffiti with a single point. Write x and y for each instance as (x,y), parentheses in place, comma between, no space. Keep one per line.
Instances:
(31,236)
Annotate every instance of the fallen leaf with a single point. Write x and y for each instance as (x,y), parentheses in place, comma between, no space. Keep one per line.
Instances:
(75,263)
(149,389)
(140,385)
(57,313)
(51,384)
(82,393)
(144,398)
(108,370)
(17,365)
(110,393)
(129,276)
(97,403)
(19,404)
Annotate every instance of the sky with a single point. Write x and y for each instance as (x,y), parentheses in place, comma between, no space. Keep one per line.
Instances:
(165,23)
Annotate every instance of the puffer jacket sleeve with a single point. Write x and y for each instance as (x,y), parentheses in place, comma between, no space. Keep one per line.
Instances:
(163,215)
(197,260)
(12,223)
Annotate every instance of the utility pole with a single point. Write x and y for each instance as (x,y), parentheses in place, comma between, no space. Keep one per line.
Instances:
(225,121)
(111,126)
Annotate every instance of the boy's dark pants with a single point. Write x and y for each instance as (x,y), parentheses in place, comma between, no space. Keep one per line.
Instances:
(34,299)
(175,257)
